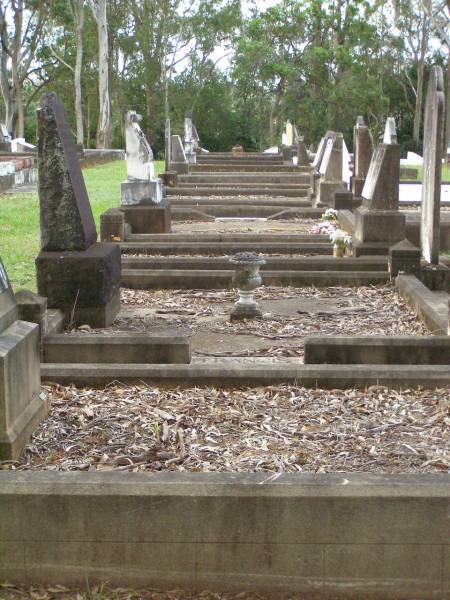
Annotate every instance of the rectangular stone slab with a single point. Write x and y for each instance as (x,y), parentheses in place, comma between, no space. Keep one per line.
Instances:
(379,350)
(66,217)
(138,348)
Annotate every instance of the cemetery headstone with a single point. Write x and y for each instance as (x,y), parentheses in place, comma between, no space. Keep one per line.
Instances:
(22,407)
(5,139)
(379,220)
(74,272)
(390,131)
(302,153)
(362,155)
(141,187)
(331,170)
(435,275)
(432,166)
(179,161)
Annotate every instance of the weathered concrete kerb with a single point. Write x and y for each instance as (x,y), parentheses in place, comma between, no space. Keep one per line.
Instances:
(348,535)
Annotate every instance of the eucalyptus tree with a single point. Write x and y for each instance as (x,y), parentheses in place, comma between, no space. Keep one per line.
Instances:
(104,127)
(21,29)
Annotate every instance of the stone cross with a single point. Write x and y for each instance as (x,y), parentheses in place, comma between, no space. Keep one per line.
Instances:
(433,132)
(390,131)
(66,217)
(138,151)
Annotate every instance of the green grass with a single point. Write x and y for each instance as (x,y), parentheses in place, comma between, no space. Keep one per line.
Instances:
(19,220)
(445,172)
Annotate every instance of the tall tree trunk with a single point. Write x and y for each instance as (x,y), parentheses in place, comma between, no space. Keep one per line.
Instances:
(79,26)
(420,77)
(104,127)
(15,57)
(261,123)
(447,123)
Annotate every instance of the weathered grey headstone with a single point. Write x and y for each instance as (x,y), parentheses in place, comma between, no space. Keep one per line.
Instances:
(381,188)
(178,156)
(74,272)
(379,218)
(362,154)
(21,405)
(331,169)
(5,139)
(195,137)
(433,132)
(65,213)
(302,153)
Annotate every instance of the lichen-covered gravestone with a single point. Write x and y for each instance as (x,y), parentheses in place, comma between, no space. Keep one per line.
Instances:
(22,407)
(432,166)
(178,158)
(74,272)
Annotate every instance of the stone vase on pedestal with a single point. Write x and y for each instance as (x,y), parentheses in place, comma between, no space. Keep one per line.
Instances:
(246,280)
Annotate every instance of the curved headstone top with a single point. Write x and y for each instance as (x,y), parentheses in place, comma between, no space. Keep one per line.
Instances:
(433,132)
(66,216)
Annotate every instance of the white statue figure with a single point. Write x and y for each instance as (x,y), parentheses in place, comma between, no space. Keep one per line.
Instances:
(141,187)
(139,153)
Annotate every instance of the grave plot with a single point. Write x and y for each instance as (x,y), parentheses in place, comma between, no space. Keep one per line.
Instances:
(289,316)
(273,429)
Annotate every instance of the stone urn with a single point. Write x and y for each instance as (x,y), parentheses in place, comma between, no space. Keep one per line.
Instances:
(246,280)
(237,150)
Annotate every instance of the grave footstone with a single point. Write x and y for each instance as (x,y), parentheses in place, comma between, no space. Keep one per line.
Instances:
(379,219)
(142,200)
(435,275)
(362,155)
(22,407)
(74,272)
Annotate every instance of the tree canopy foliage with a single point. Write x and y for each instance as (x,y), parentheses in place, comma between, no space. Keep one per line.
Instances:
(242,69)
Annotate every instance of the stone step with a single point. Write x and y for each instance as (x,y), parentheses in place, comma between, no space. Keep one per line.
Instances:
(158,279)
(380,350)
(209,212)
(243,186)
(296,192)
(273,263)
(225,248)
(250,167)
(277,202)
(242,372)
(261,238)
(252,178)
